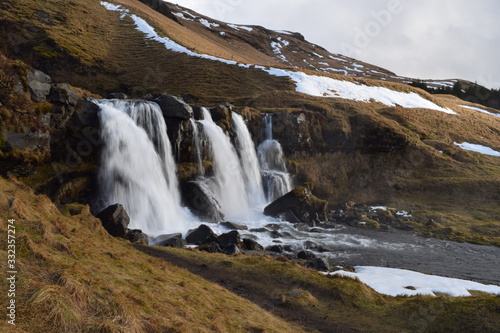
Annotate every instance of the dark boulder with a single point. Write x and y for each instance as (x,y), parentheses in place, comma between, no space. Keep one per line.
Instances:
(117,96)
(198,112)
(275,248)
(174,107)
(62,93)
(321,264)
(252,245)
(232,237)
(200,203)
(161,7)
(302,203)
(234,226)
(211,247)
(86,115)
(231,249)
(307,255)
(200,235)
(39,85)
(136,236)
(169,240)
(115,220)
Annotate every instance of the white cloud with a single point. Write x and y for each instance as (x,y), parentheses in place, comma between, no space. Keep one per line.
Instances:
(423,39)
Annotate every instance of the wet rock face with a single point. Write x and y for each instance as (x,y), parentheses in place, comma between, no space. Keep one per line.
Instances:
(222,115)
(200,203)
(174,107)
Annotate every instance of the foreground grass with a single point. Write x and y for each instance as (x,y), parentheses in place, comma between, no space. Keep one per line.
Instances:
(74,277)
(334,303)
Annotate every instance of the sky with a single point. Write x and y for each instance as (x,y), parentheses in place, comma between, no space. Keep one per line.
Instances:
(426,39)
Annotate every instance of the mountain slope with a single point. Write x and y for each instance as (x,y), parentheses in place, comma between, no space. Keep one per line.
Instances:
(371,150)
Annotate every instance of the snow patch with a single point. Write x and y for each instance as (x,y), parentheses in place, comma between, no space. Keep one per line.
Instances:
(480,110)
(477,148)
(283,32)
(353,69)
(238,27)
(338,59)
(327,87)
(400,282)
(207,24)
(403,213)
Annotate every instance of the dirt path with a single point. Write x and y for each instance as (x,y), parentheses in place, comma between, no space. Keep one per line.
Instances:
(260,288)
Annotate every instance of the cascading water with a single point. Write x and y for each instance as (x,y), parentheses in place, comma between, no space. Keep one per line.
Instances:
(197,145)
(228,184)
(249,162)
(276,179)
(137,169)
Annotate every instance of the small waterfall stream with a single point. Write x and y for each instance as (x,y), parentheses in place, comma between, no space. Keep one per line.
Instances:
(276,179)
(197,145)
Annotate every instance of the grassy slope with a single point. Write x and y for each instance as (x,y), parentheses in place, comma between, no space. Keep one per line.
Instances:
(74,277)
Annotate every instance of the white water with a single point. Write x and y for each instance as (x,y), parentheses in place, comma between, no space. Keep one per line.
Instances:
(137,168)
(197,146)
(228,184)
(275,176)
(249,162)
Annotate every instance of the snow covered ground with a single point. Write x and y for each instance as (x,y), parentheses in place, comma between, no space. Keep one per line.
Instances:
(323,86)
(399,282)
(480,110)
(477,148)
(308,84)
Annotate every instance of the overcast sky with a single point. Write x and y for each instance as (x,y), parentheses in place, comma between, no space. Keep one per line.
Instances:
(427,39)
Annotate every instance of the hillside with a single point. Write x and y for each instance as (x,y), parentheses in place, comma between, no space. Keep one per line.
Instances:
(358,135)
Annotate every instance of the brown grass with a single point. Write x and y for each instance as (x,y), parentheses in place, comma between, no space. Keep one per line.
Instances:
(75,277)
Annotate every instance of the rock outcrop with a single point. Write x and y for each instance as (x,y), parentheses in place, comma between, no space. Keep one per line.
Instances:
(300,204)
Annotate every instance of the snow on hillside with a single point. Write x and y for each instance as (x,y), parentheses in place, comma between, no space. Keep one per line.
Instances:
(307,84)
(400,282)
(477,148)
(322,86)
(238,27)
(480,110)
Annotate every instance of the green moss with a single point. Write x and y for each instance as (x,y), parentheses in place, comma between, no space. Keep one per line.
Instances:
(43,108)
(46,51)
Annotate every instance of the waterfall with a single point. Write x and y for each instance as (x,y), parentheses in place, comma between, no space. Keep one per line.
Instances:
(272,163)
(137,168)
(197,146)
(228,185)
(249,162)
(268,126)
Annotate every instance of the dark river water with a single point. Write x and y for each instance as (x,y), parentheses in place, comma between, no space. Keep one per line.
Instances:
(348,246)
